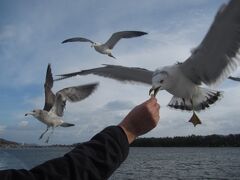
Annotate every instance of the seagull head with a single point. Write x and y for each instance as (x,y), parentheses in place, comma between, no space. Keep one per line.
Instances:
(159,81)
(95,44)
(35,113)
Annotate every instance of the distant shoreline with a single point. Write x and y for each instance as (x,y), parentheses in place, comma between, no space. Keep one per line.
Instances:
(231,140)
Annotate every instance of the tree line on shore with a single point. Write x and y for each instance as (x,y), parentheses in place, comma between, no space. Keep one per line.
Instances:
(231,140)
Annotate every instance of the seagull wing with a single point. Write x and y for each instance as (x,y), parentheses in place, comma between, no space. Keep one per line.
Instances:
(218,54)
(122,34)
(120,73)
(72,94)
(77,39)
(234,78)
(49,95)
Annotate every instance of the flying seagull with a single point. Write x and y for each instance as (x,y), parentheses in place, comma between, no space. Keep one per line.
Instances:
(53,110)
(217,56)
(107,47)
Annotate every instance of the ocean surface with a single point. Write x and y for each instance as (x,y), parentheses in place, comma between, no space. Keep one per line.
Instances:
(146,163)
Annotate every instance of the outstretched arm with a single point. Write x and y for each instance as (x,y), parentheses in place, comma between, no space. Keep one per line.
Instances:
(99,157)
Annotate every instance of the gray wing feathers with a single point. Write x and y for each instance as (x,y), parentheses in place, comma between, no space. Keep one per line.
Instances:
(72,94)
(122,34)
(120,73)
(77,39)
(78,93)
(216,57)
(49,95)
(59,105)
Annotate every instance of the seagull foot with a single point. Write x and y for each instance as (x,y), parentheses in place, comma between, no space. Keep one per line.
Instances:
(195,120)
(47,140)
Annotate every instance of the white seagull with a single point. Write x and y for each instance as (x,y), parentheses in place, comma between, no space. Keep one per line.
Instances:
(53,110)
(217,56)
(107,47)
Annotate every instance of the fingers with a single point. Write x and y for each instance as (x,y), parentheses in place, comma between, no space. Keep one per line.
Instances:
(152,98)
(152,101)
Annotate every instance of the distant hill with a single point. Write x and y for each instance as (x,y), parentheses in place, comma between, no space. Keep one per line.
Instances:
(6,143)
(231,140)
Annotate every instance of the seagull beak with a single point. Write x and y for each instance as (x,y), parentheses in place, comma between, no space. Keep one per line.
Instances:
(155,91)
(29,113)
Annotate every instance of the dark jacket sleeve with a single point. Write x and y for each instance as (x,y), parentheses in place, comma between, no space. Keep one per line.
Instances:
(95,159)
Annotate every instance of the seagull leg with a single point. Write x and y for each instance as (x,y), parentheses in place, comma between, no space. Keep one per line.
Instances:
(194,119)
(49,135)
(43,133)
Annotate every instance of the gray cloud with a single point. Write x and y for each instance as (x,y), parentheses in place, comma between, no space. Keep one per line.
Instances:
(2,129)
(118,105)
(23,124)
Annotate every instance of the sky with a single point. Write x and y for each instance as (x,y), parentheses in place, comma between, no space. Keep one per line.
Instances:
(31,33)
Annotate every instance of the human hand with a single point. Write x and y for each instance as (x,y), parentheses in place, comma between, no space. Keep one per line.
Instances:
(141,119)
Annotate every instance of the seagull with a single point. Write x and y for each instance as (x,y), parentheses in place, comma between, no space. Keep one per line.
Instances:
(217,56)
(107,47)
(53,110)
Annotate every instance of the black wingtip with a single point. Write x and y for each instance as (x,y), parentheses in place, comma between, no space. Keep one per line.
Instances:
(234,78)
(65,76)
(64,41)
(62,77)
(49,78)
(141,33)
(93,86)
(48,67)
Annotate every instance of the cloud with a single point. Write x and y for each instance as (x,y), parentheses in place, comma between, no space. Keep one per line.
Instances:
(7,33)
(35,102)
(23,124)
(2,129)
(118,105)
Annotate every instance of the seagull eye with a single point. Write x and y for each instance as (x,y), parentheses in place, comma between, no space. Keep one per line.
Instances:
(161,81)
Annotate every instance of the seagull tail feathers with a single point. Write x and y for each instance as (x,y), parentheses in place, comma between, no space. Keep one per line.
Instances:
(201,101)
(110,55)
(66,124)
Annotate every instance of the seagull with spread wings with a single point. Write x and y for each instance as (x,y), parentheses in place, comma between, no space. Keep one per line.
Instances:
(53,110)
(217,56)
(107,47)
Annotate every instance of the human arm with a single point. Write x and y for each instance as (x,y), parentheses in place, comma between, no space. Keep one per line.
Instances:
(99,157)
(95,159)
